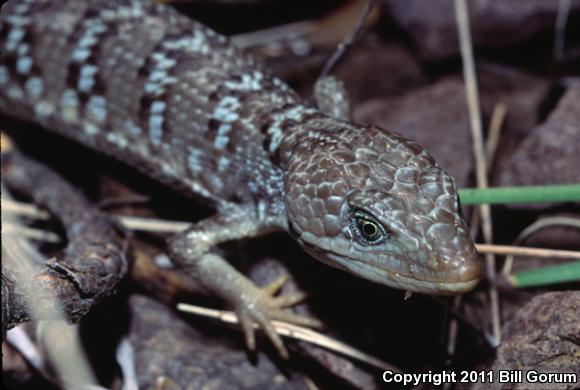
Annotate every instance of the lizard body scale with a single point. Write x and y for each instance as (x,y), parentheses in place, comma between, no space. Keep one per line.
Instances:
(170,97)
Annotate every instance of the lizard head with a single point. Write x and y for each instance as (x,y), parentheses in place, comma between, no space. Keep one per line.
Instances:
(377,205)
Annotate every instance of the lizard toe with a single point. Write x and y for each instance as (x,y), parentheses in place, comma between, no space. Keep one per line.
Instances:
(288,300)
(276,284)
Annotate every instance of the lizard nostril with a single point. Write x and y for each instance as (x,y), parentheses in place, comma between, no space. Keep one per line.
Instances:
(468,267)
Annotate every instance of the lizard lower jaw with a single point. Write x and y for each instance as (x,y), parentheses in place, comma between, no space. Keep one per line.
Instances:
(423,286)
(452,283)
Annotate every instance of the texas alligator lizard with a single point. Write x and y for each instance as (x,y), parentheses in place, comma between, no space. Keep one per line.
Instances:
(172,98)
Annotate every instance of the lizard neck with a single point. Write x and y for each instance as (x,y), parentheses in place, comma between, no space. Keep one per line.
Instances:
(294,129)
(307,130)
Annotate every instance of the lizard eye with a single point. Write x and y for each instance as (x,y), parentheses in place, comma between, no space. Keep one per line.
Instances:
(366,228)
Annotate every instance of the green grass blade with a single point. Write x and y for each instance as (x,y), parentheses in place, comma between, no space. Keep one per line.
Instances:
(526,194)
(561,273)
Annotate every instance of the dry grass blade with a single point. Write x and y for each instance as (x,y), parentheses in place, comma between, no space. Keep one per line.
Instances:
(22,209)
(296,332)
(22,342)
(130,222)
(527,251)
(153,225)
(560,29)
(538,225)
(17,229)
(462,16)
(494,133)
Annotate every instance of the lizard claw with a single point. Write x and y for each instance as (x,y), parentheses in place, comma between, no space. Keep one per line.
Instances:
(259,306)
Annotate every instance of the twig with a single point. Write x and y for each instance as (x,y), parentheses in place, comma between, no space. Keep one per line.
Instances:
(94,261)
(296,332)
(479,152)
(350,40)
(23,261)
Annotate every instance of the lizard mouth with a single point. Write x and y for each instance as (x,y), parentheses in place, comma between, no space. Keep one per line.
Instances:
(460,281)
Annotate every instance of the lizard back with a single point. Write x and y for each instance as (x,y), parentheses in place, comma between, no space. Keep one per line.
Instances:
(140,82)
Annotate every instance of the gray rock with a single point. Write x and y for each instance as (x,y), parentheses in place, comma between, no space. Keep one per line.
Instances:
(168,347)
(549,155)
(544,336)
(494,23)
(523,94)
(374,69)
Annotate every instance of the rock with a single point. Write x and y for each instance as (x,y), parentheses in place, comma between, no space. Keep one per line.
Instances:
(523,94)
(435,117)
(375,69)
(549,155)
(168,347)
(432,26)
(525,97)
(544,336)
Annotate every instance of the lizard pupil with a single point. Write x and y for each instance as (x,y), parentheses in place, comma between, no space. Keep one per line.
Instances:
(369,229)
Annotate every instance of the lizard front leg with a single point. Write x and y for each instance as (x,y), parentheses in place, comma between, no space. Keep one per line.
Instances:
(191,250)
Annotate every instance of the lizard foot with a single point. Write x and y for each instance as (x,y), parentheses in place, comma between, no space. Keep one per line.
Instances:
(261,306)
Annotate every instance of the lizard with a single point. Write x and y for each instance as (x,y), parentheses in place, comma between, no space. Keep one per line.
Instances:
(140,82)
